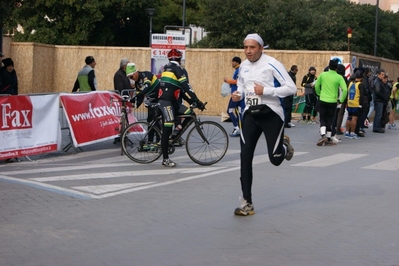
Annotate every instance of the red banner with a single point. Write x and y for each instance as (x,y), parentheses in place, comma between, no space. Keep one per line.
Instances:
(94,116)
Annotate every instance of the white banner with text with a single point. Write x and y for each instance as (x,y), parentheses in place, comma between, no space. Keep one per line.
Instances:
(29,125)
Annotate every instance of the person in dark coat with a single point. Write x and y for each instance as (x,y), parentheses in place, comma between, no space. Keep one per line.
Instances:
(288,101)
(8,77)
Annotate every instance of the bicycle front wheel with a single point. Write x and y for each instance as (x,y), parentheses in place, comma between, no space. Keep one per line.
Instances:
(141,143)
(208,146)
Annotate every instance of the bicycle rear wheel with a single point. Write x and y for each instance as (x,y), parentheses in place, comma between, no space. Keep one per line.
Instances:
(212,149)
(140,144)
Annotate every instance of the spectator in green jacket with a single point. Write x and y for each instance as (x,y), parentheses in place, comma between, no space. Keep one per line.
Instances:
(86,80)
(331,82)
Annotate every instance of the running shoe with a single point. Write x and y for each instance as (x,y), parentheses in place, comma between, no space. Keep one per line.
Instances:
(245,208)
(168,163)
(322,141)
(348,136)
(335,139)
(366,123)
(290,150)
(236,133)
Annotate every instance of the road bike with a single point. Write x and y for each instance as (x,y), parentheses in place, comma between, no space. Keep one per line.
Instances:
(206,142)
(124,116)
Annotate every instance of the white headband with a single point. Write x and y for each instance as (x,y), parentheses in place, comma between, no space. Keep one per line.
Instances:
(256,37)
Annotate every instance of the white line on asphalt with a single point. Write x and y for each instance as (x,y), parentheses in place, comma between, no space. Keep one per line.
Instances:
(74,156)
(60,190)
(166,171)
(167,182)
(184,155)
(390,165)
(331,160)
(257,160)
(65,168)
(107,188)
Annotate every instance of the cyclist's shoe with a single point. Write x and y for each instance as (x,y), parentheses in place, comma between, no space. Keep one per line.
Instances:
(168,163)
(323,140)
(245,208)
(236,133)
(181,142)
(290,149)
(117,139)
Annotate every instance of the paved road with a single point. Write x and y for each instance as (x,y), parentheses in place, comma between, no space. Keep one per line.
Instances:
(327,206)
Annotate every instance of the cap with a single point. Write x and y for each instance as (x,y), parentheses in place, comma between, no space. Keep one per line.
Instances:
(8,62)
(131,69)
(256,37)
(89,60)
(333,64)
(236,59)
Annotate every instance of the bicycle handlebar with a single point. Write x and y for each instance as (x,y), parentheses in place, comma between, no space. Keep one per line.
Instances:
(125,99)
(194,105)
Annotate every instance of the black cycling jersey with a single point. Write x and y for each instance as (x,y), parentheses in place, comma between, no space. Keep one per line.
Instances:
(149,85)
(173,83)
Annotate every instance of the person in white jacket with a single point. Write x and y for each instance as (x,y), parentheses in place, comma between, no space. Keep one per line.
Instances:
(263,82)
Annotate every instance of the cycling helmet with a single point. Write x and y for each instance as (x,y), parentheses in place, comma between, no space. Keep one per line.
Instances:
(175,55)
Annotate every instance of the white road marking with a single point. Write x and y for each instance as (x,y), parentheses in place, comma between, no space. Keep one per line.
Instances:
(166,171)
(95,191)
(101,189)
(330,160)
(184,156)
(65,168)
(52,188)
(167,182)
(74,156)
(390,165)
(257,160)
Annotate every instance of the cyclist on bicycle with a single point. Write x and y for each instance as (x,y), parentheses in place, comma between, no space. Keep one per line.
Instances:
(173,83)
(147,85)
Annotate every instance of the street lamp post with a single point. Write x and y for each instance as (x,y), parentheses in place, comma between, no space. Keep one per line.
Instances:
(151,13)
(349,31)
(184,18)
(376,27)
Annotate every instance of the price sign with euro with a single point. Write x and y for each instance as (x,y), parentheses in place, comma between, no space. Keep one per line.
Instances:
(160,46)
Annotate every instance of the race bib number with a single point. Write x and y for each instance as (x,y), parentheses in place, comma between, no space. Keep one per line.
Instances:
(252,100)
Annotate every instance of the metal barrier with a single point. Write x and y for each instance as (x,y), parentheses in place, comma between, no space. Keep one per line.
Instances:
(64,126)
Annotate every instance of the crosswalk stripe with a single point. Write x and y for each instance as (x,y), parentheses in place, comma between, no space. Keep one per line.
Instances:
(48,187)
(330,160)
(64,168)
(185,156)
(165,171)
(74,156)
(390,165)
(101,189)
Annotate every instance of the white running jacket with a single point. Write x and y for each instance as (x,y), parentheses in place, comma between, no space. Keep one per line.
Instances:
(269,73)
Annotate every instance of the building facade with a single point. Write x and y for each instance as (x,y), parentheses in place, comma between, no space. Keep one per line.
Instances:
(392,5)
